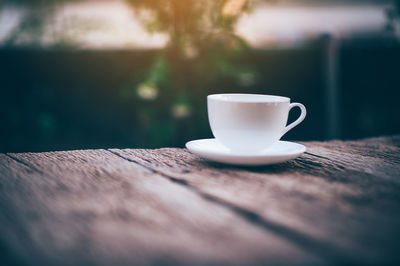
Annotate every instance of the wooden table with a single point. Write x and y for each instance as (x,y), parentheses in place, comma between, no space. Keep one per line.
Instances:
(338,203)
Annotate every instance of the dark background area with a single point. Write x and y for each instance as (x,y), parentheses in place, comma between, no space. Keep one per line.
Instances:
(54,99)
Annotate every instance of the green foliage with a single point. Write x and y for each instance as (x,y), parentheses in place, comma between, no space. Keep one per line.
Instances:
(186,19)
(31,27)
(203,47)
(37,2)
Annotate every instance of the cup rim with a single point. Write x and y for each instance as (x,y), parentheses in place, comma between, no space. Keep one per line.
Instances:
(248,98)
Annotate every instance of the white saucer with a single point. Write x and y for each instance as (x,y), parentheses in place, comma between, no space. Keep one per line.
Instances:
(211,149)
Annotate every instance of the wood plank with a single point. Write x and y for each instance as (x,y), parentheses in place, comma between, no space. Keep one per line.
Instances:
(376,156)
(13,248)
(340,199)
(93,207)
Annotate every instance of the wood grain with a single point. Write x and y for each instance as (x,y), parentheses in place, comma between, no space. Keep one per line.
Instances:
(93,207)
(336,204)
(339,200)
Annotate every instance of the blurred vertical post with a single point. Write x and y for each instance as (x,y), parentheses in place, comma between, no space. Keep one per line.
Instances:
(332,92)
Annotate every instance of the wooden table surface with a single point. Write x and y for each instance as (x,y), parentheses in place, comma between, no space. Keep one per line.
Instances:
(337,203)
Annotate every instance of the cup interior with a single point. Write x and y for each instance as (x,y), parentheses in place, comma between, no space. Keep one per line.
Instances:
(248,98)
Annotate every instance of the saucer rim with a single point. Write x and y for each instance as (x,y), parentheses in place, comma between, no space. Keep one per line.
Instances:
(248,155)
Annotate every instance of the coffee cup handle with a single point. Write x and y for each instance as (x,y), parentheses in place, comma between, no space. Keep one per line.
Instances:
(298,120)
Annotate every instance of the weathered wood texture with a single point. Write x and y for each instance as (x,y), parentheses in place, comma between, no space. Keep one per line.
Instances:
(338,203)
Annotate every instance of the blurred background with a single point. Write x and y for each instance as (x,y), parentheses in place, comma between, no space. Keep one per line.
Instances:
(78,74)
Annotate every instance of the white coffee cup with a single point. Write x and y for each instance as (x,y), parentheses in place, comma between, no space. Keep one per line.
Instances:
(250,123)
